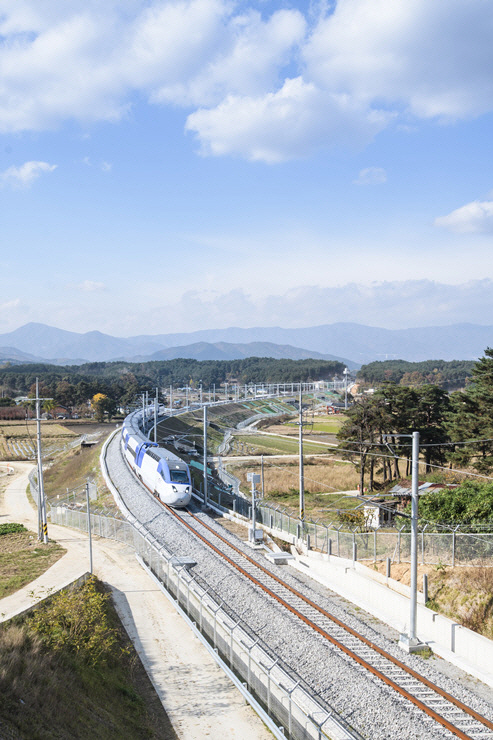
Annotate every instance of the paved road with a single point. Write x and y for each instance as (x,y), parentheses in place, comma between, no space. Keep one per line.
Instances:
(200,701)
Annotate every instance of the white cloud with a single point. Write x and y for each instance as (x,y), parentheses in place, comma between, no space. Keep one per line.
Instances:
(24,176)
(90,286)
(475,217)
(246,61)
(266,87)
(10,305)
(390,304)
(293,122)
(371,176)
(433,59)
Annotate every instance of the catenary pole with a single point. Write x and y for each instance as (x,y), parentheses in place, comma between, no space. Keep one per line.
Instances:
(414,537)
(302,477)
(205,455)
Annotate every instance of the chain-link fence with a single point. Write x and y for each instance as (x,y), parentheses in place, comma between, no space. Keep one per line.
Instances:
(447,548)
(282,694)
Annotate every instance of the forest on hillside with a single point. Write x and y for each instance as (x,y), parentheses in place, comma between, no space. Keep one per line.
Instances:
(74,385)
(456,429)
(450,375)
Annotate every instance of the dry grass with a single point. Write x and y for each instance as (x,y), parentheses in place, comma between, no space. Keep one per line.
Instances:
(71,472)
(18,438)
(462,594)
(465,595)
(23,558)
(49,692)
(321,475)
(323,482)
(28,429)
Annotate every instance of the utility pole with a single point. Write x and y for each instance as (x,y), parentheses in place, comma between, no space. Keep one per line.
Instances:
(254,478)
(205,455)
(155,415)
(302,477)
(413,641)
(89,526)
(410,642)
(42,518)
(346,371)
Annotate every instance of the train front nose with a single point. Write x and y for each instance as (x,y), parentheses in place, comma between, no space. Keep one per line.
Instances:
(183,494)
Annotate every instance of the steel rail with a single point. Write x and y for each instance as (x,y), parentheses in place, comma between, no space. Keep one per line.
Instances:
(375,671)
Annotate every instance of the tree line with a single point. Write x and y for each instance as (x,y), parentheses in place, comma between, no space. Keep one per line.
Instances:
(456,429)
(74,385)
(449,375)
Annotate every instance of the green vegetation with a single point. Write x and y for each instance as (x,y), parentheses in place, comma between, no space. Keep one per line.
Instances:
(120,382)
(259,444)
(470,505)
(443,421)
(11,527)
(68,671)
(447,375)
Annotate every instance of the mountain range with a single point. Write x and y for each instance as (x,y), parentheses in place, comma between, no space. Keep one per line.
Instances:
(353,344)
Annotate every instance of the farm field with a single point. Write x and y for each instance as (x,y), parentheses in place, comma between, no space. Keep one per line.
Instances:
(325,483)
(264,444)
(18,439)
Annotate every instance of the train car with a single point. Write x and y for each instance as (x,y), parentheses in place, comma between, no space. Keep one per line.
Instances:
(163,473)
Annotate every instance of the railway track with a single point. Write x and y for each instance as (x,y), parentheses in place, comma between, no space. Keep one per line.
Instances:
(437,705)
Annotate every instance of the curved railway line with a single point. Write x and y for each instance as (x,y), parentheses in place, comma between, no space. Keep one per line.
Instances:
(403,679)
(438,705)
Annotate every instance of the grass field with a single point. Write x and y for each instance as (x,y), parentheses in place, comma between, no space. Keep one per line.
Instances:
(323,482)
(264,444)
(23,558)
(327,424)
(72,470)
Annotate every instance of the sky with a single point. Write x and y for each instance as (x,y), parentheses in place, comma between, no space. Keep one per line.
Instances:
(174,165)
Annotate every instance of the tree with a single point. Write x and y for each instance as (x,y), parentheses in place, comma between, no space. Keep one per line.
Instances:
(103,406)
(471,417)
(360,434)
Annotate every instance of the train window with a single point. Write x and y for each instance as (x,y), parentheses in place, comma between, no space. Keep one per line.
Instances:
(178,476)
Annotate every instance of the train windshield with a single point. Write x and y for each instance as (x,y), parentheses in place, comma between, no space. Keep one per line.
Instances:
(178,476)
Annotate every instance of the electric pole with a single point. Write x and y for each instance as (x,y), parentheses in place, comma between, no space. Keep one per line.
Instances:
(205,455)
(42,518)
(302,477)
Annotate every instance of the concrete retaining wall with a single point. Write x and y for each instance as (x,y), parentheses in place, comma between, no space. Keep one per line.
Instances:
(453,642)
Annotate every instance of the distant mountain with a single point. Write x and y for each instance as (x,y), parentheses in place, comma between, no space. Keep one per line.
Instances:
(48,342)
(360,344)
(228,351)
(15,356)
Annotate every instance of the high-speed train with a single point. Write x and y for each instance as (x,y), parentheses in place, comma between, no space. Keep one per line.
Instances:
(164,474)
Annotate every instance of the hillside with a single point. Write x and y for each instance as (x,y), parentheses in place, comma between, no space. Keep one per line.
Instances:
(354,344)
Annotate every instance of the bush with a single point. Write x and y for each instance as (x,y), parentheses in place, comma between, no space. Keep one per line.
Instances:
(78,622)
(11,527)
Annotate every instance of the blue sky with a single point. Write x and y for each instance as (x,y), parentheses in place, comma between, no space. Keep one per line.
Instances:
(195,164)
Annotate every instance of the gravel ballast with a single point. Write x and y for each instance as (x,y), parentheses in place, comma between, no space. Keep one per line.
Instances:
(374,709)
